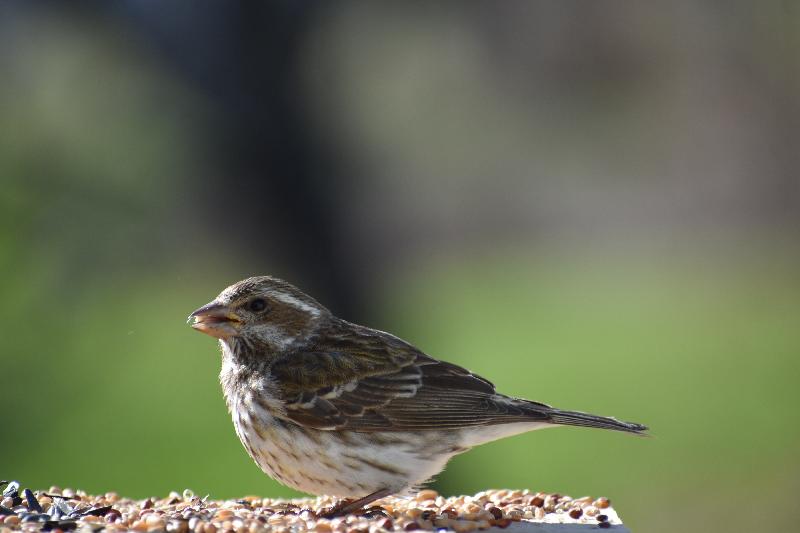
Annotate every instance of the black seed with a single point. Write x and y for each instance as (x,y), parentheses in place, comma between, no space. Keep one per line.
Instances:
(34,517)
(5,510)
(33,503)
(54,496)
(604,525)
(66,525)
(97,511)
(602,518)
(496,513)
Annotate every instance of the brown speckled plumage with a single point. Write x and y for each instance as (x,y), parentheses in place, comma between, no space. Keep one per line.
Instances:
(330,407)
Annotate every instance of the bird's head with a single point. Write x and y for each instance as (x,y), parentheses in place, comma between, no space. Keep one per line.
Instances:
(265,314)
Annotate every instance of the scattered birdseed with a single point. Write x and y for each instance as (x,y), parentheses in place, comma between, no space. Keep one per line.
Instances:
(58,510)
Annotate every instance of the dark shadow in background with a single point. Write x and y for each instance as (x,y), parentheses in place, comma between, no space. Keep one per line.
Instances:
(275,193)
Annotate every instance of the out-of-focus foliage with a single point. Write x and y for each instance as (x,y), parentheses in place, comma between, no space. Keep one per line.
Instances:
(594,206)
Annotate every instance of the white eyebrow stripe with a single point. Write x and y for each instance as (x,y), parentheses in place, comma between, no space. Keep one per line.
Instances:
(291,300)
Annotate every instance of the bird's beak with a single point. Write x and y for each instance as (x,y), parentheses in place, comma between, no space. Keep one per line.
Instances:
(216,320)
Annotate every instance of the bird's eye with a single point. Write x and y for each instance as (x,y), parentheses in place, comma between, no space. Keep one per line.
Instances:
(257,305)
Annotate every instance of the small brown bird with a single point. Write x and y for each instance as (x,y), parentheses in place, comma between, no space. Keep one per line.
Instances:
(330,407)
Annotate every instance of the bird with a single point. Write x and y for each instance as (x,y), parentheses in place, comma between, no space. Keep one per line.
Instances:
(330,407)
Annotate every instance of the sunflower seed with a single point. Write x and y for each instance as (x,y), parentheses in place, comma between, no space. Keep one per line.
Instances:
(33,503)
(34,517)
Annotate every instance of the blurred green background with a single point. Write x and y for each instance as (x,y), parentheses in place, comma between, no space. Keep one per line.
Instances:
(594,205)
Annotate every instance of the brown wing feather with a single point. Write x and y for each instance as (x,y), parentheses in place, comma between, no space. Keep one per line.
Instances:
(367,380)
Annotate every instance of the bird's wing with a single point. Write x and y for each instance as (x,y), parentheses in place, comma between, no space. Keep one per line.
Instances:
(365,380)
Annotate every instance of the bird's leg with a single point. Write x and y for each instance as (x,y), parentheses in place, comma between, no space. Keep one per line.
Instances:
(345,507)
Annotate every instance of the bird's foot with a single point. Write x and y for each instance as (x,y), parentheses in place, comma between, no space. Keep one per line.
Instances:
(345,507)
(342,508)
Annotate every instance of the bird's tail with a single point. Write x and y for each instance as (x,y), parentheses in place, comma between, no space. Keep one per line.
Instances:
(575,418)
